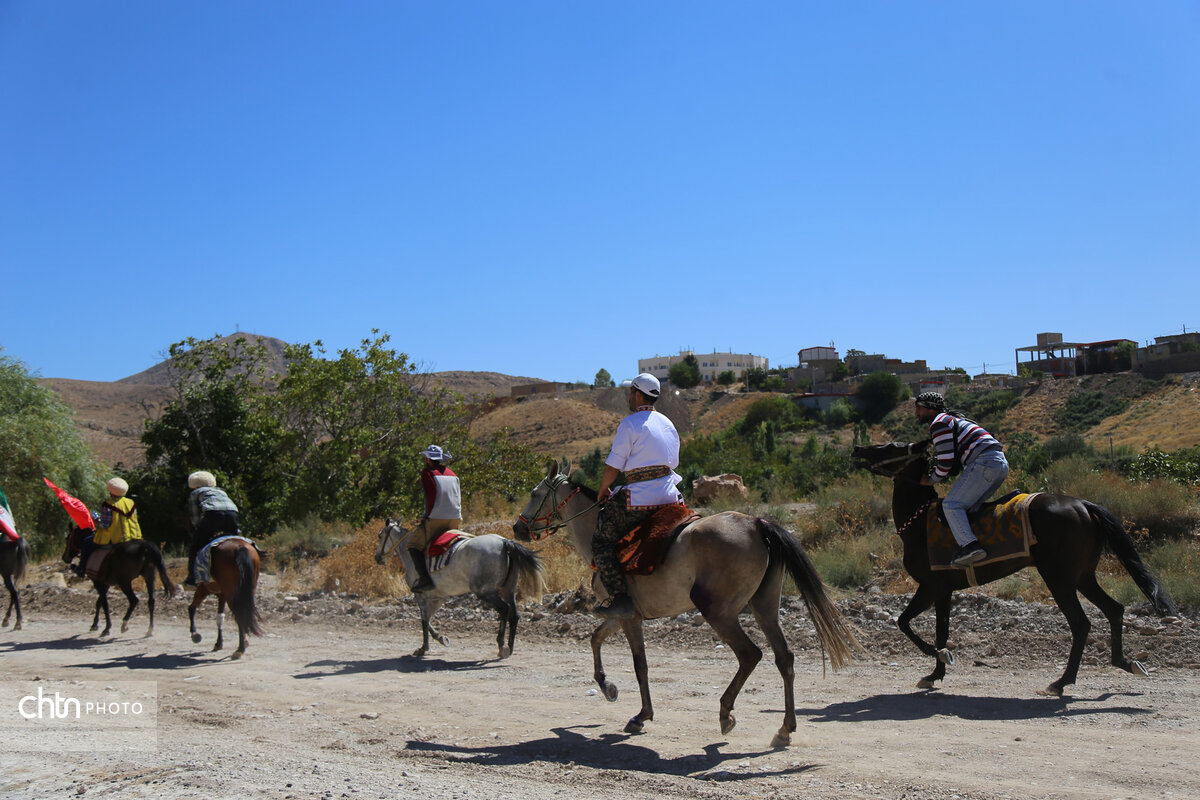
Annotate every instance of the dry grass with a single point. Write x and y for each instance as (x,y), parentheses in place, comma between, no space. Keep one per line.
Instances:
(351,568)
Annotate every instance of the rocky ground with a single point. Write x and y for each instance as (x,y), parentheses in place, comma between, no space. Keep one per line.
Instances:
(329,705)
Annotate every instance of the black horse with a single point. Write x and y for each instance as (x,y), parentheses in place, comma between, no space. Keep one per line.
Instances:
(1071,535)
(14,556)
(125,562)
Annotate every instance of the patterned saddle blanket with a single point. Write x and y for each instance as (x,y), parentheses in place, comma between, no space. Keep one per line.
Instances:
(204,557)
(1002,528)
(642,549)
(440,550)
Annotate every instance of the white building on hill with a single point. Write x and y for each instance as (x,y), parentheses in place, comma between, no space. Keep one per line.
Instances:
(711,364)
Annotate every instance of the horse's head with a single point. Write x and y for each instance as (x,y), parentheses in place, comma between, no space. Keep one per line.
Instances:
(892,460)
(391,536)
(537,518)
(72,547)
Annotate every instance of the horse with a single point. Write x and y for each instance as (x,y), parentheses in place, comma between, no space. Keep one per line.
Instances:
(1071,535)
(233,570)
(494,569)
(124,563)
(717,565)
(14,557)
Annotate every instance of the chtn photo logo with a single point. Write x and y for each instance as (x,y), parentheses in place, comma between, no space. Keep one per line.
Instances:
(59,706)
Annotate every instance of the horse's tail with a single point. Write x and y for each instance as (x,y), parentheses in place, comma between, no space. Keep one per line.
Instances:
(151,552)
(1122,547)
(22,559)
(242,604)
(836,634)
(529,569)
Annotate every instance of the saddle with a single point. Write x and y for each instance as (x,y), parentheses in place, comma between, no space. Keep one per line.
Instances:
(1002,527)
(96,560)
(644,547)
(437,554)
(204,557)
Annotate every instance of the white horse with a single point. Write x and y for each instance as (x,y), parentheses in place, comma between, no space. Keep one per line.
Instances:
(719,566)
(496,570)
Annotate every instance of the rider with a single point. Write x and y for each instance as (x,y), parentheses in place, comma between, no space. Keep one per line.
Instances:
(116,522)
(212,513)
(960,441)
(443,510)
(646,449)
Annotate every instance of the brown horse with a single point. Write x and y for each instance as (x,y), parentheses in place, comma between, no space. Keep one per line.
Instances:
(14,557)
(125,562)
(233,571)
(719,566)
(1071,535)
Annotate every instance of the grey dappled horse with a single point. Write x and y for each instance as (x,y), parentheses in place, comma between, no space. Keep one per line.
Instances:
(14,557)
(718,566)
(496,570)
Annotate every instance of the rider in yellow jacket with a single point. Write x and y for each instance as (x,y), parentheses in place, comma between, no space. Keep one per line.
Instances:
(116,522)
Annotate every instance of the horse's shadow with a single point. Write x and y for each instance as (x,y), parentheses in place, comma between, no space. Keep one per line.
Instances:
(76,641)
(609,751)
(166,661)
(926,704)
(405,664)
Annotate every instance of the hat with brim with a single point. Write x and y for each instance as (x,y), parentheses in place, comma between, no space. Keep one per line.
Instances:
(645,383)
(434,453)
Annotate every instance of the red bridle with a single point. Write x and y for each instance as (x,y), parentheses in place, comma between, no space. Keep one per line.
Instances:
(536,535)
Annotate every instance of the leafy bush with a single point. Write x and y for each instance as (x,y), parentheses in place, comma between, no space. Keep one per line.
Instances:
(304,540)
(1182,466)
(1084,410)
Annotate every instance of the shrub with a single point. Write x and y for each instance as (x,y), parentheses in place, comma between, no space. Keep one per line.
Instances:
(309,538)
(1161,507)
(351,568)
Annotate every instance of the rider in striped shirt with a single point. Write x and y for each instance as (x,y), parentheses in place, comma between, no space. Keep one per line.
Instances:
(960,441)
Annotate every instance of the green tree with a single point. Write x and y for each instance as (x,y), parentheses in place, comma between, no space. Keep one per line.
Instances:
(726,378)
(878,394)
(686,373)
(38,439)
(755,378)
(603,379)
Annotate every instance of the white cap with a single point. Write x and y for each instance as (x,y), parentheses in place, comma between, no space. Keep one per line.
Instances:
(433,453)
(117,487)
(645,383)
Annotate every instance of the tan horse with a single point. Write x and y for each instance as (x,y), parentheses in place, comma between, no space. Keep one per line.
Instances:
(718,566)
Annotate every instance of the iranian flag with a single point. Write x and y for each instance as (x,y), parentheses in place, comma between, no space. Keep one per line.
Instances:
(7,526)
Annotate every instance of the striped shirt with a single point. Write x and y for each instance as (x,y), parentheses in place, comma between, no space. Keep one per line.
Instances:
(971,438)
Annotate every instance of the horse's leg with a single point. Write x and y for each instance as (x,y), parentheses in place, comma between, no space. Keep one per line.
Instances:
(102,603)
(1114,612)
(504,612)
(14,601)
(765,606)
(200,595)
(131,596)
(606,629)
(148,577)
(632,626)
(1065,595)
(921,600)
(748,654)
(220,624)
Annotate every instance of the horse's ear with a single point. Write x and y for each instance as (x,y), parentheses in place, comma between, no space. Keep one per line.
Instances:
(564,467)
(551,468)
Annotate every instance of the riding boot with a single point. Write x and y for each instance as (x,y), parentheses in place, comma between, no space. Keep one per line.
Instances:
(190,580)
(424,582)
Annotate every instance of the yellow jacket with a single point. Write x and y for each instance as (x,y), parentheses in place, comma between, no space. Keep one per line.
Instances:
(124,524)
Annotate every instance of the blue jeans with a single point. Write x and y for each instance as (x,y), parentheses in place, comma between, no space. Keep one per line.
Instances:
(978,481)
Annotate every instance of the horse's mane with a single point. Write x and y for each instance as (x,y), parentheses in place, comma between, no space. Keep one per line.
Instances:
(586,491)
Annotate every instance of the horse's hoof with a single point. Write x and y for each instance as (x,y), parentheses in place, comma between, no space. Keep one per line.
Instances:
(946,657)
(1136,667)
(17,627)
(196,638)
(925,683)
(443,641)
(104,634)
(149,635)
(505,652)
(728,724)
(610,691)
(419,652)
(94,628)
(218,647)
(1051,691)
(236,655)
(781,740)
(635,725)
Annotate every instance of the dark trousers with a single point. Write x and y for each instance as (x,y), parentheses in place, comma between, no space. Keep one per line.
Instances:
(616,520)
(212,525)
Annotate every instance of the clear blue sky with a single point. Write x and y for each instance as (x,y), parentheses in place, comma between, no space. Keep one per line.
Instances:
(548,188)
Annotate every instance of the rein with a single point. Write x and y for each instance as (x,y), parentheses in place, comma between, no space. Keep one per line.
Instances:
(540,533)
(916,515)
(399,539)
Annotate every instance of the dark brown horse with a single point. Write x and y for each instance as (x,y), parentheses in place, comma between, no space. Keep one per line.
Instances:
(719,566)
(14,557)
(125,562)
(233,571)
(1071,536)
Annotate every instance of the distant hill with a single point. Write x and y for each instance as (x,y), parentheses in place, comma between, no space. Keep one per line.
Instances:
(160,373)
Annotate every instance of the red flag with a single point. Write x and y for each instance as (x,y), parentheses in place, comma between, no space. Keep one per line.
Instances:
(75,508)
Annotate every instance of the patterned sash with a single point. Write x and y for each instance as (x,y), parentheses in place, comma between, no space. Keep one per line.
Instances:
(640,474)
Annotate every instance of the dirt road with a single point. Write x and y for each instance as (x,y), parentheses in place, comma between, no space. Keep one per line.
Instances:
(329,705)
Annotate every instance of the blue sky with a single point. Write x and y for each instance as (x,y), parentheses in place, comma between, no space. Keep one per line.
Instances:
(547,188)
